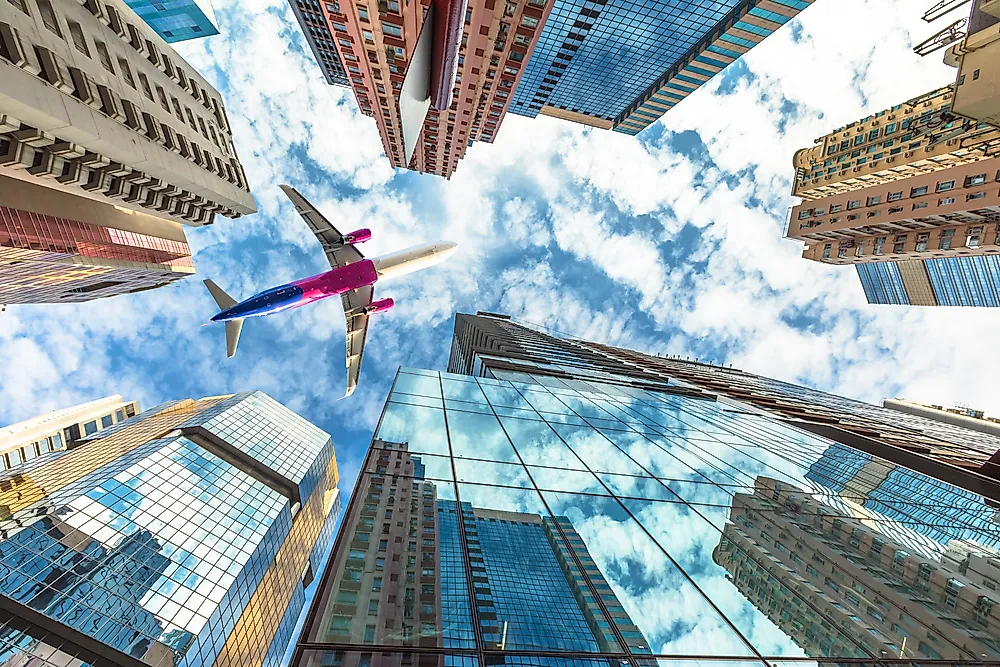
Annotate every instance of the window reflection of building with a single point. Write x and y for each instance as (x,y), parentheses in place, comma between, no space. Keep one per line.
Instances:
(532,590)
(401,577)
(811,570)
(488,345)
(183,536)
(919,513)
(386,587)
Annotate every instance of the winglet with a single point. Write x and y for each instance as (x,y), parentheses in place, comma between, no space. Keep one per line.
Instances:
(233,328)
(221,298)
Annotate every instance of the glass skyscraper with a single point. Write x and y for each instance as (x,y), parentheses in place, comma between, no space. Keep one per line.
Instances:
(177,20)
(968,280)
(183,536)
(546,504)
(623,64)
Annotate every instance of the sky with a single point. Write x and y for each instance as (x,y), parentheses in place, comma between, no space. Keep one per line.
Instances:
(669,242)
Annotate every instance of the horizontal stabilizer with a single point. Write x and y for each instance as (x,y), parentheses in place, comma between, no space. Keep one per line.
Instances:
(233,329)
(224,300)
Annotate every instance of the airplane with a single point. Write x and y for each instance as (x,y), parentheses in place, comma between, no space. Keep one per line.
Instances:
(352,277)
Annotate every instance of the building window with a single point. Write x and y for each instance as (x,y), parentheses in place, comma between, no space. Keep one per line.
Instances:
(529,21)
(978,179)
(917,192)
(946,201)
(49,16)
(922,241)
(894,196)
(826,250)
(900,244)
(879,244)
(90,427)
(851,205)
(836,208)
(944,186)
(391,30)
(79,41)
(873,201)
(944,243)
(106,421)
(972,240)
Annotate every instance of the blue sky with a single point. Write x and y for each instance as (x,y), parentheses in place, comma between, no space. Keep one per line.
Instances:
(667,242)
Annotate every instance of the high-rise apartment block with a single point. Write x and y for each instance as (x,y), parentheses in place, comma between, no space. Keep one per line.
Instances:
(96,104)
(560,503)
(563,58)
(61,429)
(911,197)
(177,20)
(976,56)
(56,247)
(181,536)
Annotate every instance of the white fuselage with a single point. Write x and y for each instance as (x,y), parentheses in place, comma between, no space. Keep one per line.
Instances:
(412,259)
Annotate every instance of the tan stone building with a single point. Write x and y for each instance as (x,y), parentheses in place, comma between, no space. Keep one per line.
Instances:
(95,104)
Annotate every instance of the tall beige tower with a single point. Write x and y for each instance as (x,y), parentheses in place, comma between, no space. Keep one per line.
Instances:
(96,104)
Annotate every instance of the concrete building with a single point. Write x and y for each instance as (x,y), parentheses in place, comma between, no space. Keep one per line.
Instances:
(563,58)
(910,196)
(835,583)
(177,20)
(96,104)
(974,420)
(977,87)
(61,429)
(907,140)
(183,536)
(56,247)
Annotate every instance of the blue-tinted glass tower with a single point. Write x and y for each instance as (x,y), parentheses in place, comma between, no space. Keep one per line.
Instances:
(623,63)
(177,20)
(967,280)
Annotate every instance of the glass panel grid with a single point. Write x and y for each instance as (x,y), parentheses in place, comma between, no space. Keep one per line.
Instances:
(681,527)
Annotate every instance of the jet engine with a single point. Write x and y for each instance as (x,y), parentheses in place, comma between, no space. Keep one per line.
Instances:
(379,306)
(359,236)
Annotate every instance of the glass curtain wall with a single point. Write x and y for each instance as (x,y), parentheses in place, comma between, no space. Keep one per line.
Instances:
(530,520)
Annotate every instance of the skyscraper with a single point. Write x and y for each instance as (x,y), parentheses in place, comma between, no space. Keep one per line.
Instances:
(909,196)
(61,429)
(623,66)
(550,503)
(56,247)
(181,536)
(177,20)
(97,105)
(490,344)
(618,67)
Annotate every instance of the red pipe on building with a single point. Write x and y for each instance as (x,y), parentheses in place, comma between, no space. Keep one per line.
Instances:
(449,21)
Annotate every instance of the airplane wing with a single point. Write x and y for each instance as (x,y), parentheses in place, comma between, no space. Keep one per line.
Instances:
(337,252)
(357,331)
